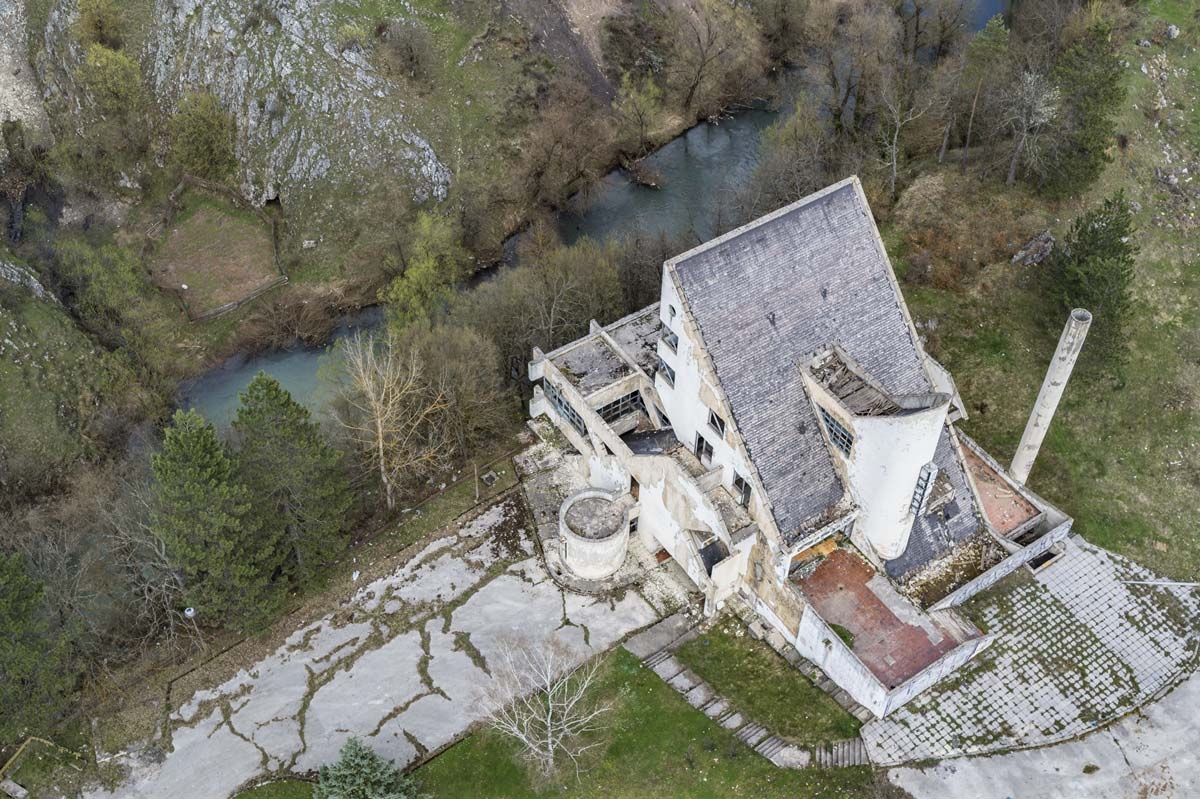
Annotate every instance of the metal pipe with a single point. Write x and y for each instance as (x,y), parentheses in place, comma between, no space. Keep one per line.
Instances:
(1059,371)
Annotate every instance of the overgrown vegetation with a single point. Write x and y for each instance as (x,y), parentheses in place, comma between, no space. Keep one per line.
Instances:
(1012,129)
(764,686)
(655,743)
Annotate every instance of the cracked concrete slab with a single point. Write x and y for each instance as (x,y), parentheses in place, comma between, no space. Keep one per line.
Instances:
(367,677)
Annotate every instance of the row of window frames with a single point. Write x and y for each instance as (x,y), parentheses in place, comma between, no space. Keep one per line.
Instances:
(714,419)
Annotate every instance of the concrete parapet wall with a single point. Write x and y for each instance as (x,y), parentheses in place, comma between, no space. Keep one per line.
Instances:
(818,642)
(1004,567)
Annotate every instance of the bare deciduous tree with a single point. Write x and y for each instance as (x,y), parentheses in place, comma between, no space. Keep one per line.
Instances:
(851,41)
(154,584)
(391,410)
(717,47)
(904,97)
(1032,105)
(540,696)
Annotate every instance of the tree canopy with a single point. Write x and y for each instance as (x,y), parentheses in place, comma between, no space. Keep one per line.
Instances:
(295,478)
(360,773)
(35,674)
(1093,268)
(204,516)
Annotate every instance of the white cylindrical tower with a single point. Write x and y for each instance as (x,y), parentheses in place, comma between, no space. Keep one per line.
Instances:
(1069,345)
(883,469)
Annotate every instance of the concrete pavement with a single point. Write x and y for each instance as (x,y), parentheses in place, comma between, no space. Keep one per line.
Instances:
(1154,754)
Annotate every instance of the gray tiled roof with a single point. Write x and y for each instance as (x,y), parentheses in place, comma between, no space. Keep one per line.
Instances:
(932,534)
(767,297)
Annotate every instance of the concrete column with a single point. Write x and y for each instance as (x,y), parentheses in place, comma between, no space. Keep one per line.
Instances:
(1069,345)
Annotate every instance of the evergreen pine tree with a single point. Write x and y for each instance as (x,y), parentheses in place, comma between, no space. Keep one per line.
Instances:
(1092,268)
(35,671)
(360,773)
(1088,77)
(204,517)
(294,477)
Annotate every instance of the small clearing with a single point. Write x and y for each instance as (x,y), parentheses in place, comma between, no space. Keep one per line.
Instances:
(220,253)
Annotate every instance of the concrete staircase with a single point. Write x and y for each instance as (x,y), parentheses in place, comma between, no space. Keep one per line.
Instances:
(656,647)
(850,752)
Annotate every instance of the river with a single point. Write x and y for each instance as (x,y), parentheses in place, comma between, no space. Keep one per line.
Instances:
(699,171)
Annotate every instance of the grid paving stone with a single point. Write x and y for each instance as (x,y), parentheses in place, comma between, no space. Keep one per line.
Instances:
(1075,647)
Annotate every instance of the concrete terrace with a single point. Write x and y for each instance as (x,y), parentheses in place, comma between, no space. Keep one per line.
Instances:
(402,664)
(892,637)
(1077,645)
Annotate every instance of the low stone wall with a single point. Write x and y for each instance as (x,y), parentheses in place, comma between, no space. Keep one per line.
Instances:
(817,641)
(935,672)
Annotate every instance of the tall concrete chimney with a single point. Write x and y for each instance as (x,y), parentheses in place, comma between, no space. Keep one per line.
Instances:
(1069,345)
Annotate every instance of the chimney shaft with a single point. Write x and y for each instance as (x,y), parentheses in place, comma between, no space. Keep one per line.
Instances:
(1069,345)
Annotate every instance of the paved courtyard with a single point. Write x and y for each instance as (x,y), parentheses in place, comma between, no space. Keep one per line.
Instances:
(1077,646)
(402,664)
(1148,755)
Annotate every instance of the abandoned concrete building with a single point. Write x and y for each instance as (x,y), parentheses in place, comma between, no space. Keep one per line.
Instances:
(774,425)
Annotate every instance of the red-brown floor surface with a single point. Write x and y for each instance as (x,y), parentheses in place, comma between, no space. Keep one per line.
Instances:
(891,648)
(1004,507)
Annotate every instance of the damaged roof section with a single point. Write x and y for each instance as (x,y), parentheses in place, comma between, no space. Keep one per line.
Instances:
(637,335)
(949,516)
(857,392)
(591,365)
(592,362)
(768,297)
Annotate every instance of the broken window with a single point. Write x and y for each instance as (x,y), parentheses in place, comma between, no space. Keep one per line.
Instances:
(564,408)
(838,434)
(619,407)
(667,372)
(704,450)
(716,422)
(671,340)
(741,488)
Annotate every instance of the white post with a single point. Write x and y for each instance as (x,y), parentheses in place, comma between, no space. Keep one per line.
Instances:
(1059,371)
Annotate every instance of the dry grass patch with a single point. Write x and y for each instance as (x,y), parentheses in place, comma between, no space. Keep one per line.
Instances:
(219,252)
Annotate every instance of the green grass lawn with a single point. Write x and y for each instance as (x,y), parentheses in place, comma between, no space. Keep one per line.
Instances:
(656,745)
(764,686)
(1122,459)
(284,789)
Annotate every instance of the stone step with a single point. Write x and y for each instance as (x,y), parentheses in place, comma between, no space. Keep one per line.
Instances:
(769,746)
(842,754)
(667,668)
(656,658)
(751,734)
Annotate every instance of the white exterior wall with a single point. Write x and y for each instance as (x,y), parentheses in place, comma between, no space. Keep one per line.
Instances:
(688,402)
(882,471)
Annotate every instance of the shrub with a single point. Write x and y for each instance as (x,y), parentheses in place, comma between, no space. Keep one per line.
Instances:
(202,137)
(944,248)
(408,49)
(114,81)
(360,773)
(100,23)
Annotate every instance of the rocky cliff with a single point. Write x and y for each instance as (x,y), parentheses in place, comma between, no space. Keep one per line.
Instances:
(308,111)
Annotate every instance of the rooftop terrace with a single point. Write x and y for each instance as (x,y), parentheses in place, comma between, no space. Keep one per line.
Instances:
(892,636)
(1003,505)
